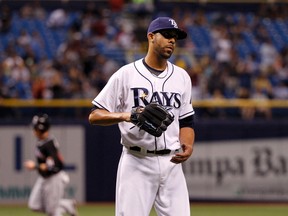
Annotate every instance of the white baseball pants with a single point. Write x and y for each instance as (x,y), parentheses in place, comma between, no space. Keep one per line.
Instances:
(144,181)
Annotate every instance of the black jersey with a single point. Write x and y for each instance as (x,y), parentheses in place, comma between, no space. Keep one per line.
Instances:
(47,152)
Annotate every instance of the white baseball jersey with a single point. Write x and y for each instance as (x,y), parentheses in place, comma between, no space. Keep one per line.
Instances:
(134,85)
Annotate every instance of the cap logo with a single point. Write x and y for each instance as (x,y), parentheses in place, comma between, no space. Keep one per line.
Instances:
(173,22)
(166,23)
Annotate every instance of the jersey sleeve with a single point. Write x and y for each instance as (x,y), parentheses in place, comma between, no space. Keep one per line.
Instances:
(187,108)
(51,158)
(109,96)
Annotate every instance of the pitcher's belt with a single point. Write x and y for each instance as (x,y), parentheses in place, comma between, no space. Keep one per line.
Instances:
(153,152)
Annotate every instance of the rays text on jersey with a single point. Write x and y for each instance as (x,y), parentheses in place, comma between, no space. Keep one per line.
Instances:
(168,99)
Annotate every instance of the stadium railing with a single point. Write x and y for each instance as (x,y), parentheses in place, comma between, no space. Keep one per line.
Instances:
(205,103)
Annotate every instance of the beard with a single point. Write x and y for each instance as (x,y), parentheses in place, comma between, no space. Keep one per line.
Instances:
(164,53)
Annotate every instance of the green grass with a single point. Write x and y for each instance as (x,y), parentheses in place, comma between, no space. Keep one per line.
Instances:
(239,210)
(196,210)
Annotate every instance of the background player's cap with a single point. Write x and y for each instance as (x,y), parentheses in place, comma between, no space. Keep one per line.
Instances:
(166,23)
(41,122)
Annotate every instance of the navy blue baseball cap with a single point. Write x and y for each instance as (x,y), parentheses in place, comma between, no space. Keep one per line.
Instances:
(166,23)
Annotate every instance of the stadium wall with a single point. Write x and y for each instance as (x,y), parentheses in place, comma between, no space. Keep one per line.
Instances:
(233,160)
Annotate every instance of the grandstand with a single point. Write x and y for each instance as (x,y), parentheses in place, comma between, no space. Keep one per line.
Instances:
(234,51)
(277,29)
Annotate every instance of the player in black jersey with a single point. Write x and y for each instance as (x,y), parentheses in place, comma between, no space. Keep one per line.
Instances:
(47,195)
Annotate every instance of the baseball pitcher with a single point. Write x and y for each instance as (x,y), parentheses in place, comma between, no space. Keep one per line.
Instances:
(150,100)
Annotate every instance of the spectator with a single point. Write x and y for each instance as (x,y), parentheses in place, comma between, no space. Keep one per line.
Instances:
(261,110)
(280,91)
(262,86)
(246,112)
(17,77)
(57,18)
(268,53)
(223,47)
(5,19)
(26,12)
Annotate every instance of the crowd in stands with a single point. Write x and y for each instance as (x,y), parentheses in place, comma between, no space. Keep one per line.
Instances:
(79,68)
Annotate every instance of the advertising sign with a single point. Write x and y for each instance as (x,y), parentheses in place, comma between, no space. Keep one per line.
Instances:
(239,170)
(17,144)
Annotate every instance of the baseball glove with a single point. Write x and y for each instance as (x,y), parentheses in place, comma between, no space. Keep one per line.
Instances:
(153,118)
